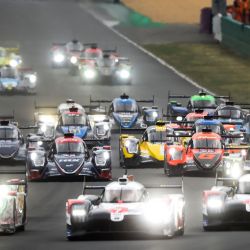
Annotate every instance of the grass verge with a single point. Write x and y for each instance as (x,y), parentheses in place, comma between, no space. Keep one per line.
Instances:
(210,65)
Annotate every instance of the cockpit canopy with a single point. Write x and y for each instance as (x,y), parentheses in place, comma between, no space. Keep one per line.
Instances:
(73,119)
(230,113)
(207,143)
(156,135)
(129,193)
(215,128)
(126,105)
(69,147)
(8,133)
(8,72)
(203,102)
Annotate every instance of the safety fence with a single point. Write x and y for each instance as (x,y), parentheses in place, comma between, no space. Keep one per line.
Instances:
(235,36)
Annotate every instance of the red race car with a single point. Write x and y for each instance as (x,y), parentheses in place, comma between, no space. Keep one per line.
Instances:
(203,153)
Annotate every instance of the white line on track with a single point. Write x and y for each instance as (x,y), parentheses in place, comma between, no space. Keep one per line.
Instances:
(158,59)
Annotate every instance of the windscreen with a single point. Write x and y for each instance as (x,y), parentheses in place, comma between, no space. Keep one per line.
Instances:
(92,54)
(8,133)
(207,144)
(230,113)
(70,148)
(203,103)
(73,119)
(8,73)
(213,127)
(159,136)
(125,106)
(123,194)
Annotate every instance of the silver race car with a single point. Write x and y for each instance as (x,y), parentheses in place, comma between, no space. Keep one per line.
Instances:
(125,206)
(228,204)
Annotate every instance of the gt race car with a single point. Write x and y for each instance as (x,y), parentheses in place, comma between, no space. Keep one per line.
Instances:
(225,206)
(69,157)
(147,151)
(13,204)
(125,206)
(126,112)
(17,80)
(10,56)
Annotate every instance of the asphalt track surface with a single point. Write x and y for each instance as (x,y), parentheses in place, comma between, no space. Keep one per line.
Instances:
(35,25)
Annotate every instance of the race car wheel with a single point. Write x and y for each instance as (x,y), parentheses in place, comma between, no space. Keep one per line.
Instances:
(180,232)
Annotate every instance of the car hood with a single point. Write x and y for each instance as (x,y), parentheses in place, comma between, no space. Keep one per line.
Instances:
(207,159)
(8,148)
(69,163)
(79,131)
(125,119)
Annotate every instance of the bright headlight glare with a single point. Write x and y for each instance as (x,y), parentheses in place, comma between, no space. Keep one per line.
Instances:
(172,151)
(59,58)
(47,120)
(33,78)
(13,63)
(78,213)
(243,152)
(89,74)
(99,118)
(236,171)
(106,127)
(4,190)
(40,143)
(106,155)
(155,114)
(127,143)
(215,203)
(33,156)
(124,74)
(73,59)
(156,212)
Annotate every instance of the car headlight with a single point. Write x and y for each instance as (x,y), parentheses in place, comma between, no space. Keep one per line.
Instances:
(38,160)
(215,203)
(156,212)
(78,213)
(236,171)
(102,158)
(155,114)
(131,146)
(59,58)
(33,78)
(89,74)
(13,63)
(124,74)
(172,151)
(73,59)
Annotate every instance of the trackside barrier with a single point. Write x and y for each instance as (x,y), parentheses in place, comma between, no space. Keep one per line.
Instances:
(235,36)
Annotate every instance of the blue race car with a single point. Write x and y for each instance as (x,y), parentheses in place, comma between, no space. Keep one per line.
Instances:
(128,114)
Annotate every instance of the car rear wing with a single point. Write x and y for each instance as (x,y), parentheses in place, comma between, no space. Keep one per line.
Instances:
(189,96)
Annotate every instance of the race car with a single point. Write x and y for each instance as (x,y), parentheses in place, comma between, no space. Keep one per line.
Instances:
(202,100)
(67,55)
(127,114)
(203,153)
(149,150)
(13,206)
(17,80)
(225,206)
(69,157)
(126,206)
(12,145)
(92,126)
(10,56)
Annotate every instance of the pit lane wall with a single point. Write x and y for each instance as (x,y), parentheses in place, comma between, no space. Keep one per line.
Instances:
(235,36)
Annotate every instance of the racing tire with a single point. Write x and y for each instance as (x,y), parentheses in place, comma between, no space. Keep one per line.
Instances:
(171,171)
(180,232)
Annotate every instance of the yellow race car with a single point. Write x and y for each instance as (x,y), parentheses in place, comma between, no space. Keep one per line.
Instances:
(147,151)
(10,56)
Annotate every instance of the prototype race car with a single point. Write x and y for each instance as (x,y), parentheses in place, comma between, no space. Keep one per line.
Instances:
(13,207)
(227,205)
(69,157)
(17,80)
(204,153)
(127,114)
(10,56)
(149,150)
(125,206)
(12,146)
(202,100)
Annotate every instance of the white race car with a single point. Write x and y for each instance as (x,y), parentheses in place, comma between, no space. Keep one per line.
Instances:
(125,206)
(13,205)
